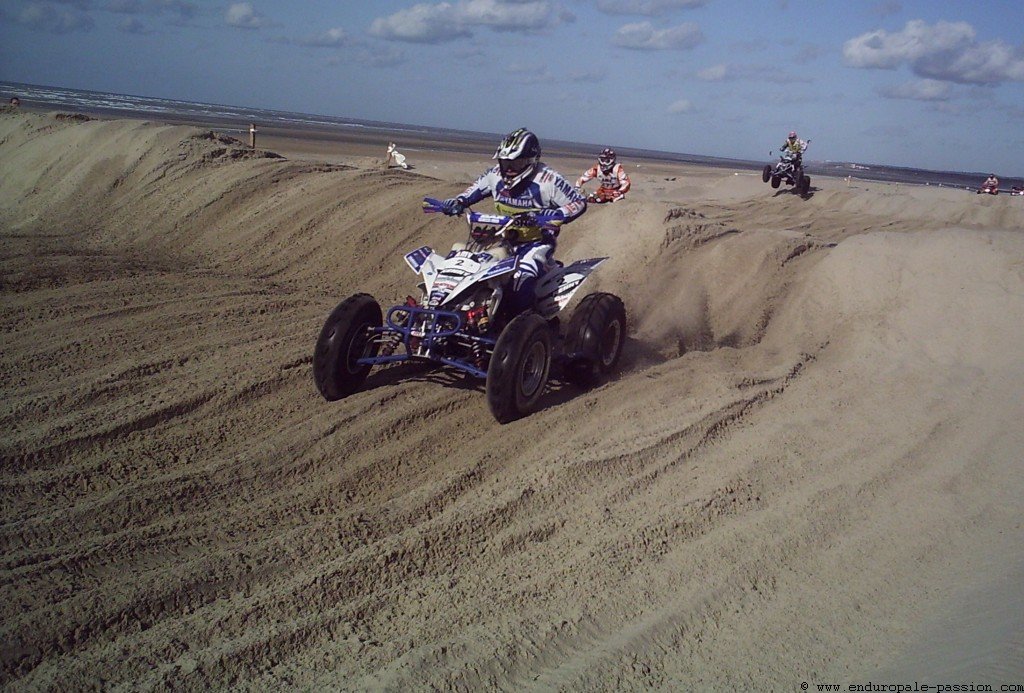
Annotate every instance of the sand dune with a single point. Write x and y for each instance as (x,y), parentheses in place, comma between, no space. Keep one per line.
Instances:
(812,455)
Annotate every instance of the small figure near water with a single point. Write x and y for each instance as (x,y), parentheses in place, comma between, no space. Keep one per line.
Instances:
(396,156)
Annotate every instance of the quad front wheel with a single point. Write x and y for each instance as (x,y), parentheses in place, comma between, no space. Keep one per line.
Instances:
(776,181)
(345,337)
(519,367)
(594,338)
(766,173)
(805,185)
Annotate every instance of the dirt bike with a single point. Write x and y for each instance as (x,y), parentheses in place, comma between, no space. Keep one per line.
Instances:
(788,169)
(463,320)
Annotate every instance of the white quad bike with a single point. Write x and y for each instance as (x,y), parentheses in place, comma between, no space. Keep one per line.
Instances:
(462,321)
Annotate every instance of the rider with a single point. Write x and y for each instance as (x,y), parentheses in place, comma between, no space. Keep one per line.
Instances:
(793,147)
(613,180)
(991,182)
(524,187)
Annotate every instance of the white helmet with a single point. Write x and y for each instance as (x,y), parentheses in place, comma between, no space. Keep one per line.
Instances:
(517,155)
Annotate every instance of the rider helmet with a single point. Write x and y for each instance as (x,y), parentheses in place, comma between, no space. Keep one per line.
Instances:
(792,134)
(606,159)
(518,156)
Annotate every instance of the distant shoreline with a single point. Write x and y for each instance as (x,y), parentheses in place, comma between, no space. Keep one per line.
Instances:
(363,132)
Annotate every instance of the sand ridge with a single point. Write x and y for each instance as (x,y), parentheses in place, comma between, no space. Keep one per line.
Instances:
(814,438)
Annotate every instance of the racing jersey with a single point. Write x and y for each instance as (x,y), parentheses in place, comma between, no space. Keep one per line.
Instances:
(616,179)
(546,190)
(796,146)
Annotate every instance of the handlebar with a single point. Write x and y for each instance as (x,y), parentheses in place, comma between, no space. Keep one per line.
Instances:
(542,220)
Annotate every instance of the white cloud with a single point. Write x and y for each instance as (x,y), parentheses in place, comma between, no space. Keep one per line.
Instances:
(508,16)
(445,21)
(921,90)
(331,38)
(421,24)
(945,51)
(882,49)
(680,106)
(643,36)
(649,8)
(243,16)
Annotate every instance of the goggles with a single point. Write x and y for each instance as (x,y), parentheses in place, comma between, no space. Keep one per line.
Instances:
(513,167)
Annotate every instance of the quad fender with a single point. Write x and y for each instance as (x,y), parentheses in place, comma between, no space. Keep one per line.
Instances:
(429,264)
(424,261)
(556,288)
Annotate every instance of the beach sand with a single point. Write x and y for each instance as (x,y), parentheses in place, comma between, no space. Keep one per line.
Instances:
(809,467)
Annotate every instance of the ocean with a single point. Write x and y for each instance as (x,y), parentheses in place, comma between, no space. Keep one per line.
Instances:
(153,108)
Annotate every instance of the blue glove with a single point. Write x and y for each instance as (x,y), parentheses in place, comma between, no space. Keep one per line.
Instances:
(453,206)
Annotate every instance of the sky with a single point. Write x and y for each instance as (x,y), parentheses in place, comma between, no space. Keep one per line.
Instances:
(935,84)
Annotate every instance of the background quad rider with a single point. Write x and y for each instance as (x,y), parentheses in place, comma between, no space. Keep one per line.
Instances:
(525,188)
(793,148)
(991,183)
(612,178)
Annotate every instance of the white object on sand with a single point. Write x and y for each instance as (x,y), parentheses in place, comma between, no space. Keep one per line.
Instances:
(393,153)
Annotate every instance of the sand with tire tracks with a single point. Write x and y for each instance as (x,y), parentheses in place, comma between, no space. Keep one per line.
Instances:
(811,459)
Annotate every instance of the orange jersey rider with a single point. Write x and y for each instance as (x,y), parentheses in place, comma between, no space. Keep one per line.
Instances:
(612,178)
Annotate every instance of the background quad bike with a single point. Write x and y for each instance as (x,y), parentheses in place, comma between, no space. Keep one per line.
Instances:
(801,182)
(519,366)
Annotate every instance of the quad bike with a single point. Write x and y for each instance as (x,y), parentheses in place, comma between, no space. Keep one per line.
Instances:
(989,189)
(788,169)
(462,320)
(602,195)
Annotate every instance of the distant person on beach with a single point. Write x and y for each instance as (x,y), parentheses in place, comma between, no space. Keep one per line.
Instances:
(991,182)
(396,156)
(613,181)
(524,187)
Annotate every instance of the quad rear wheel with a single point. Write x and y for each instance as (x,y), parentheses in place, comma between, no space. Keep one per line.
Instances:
(519,367)
(344,338)
(594,338)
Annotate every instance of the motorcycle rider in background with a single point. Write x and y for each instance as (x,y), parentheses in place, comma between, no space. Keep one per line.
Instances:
(524,187)
(612,178)
(991,182)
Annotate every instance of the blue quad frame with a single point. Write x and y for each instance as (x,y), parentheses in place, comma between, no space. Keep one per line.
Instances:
(432,336)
